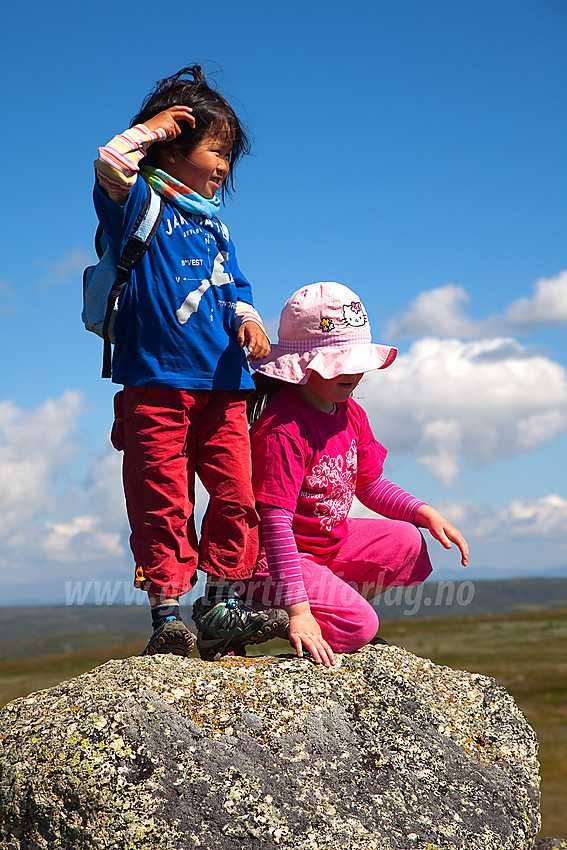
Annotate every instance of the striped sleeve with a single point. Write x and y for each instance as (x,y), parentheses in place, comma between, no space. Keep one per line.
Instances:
(246,313)
(117,164)
(388,499)
(282,555)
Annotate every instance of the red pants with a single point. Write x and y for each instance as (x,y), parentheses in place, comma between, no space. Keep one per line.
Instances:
(167,436)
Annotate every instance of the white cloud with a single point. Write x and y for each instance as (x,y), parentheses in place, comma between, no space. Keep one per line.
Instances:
(448,402)
(435,311)
(547,306)
(35,446)
(49,507)
(544,518)
(80,539)
(67,268)
(440,311)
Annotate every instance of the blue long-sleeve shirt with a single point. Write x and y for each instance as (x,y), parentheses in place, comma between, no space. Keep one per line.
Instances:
(174,327)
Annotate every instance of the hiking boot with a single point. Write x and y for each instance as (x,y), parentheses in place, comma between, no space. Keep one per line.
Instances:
(172,637)
(376,640)
(229,626)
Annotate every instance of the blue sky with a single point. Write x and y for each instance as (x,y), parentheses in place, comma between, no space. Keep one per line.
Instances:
(411,149)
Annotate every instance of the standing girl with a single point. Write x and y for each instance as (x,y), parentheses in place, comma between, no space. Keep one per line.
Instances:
(182,324)
(312,451)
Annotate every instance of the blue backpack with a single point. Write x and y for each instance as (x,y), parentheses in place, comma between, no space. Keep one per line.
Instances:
(104,282)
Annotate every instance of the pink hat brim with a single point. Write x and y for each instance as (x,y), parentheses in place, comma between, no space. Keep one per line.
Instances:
(327,362)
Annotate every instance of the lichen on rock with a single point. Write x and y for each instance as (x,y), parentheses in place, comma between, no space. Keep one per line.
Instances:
(386,751)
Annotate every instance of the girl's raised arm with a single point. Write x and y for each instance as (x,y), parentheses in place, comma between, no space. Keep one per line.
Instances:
(117,164)
(169,119)
(442,530)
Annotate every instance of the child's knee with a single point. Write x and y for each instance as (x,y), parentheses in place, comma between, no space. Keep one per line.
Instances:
(352,629)
(413,540)
(368,627)
(408,545)
(415,565)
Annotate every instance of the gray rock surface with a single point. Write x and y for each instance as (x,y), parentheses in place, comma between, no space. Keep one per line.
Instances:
(384,752)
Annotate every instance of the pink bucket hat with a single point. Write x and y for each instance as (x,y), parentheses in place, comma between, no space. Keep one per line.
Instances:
(324,328)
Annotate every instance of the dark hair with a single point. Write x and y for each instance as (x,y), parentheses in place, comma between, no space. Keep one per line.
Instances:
(266,389)
(211,111)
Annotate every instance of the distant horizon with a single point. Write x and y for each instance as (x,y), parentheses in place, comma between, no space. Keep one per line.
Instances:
(117,590)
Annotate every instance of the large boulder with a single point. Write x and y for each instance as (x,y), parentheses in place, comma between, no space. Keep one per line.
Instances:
(386,751)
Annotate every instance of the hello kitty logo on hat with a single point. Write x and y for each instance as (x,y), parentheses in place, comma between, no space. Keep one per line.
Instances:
(324,328)
(354,314)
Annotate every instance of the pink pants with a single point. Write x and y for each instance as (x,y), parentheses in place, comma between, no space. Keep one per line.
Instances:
(377,553)
(167,436)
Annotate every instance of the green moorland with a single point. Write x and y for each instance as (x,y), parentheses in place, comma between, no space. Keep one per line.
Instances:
(525,651)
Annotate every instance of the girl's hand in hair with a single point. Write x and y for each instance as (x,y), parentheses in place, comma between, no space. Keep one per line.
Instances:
(253,337)
(304,631)
(169,119)
(441,530)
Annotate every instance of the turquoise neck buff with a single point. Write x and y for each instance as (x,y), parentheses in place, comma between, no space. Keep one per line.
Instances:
(180,194)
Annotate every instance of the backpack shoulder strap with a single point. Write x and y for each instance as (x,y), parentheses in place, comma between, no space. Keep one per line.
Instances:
(99,246)
(144,229)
